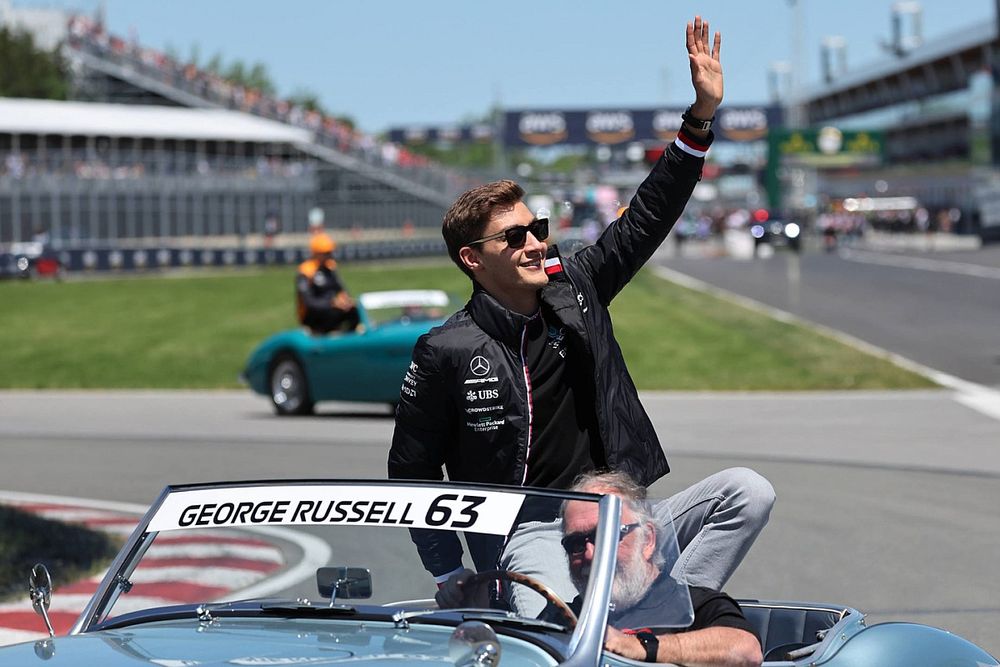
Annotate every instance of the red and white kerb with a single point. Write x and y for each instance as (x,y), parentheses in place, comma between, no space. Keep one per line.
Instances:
(553,265)
(690,146)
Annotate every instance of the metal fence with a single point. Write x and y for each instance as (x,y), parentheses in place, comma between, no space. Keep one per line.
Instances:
(76,212)
(154,258)
(79,198)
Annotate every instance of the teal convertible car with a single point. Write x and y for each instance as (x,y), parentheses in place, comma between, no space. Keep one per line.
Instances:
(325,572)
(297,368)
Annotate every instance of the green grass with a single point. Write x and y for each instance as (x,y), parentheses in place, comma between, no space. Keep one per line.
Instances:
(677,338)
(69,551)
(195,331)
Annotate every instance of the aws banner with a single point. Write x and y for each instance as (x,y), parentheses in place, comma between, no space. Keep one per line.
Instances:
(545,127)
(426,134)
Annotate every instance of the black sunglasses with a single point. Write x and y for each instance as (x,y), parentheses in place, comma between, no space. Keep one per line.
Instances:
(576,543)
(517,235)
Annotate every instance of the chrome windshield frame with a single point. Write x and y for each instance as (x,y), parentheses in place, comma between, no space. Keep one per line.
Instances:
(125,562)
(587,643)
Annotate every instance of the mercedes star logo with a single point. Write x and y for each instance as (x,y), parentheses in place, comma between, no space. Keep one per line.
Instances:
(479,366)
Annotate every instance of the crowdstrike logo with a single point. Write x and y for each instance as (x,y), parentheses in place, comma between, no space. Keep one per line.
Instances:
(479,366)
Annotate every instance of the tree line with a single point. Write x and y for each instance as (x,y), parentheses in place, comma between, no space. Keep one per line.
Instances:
(28,71)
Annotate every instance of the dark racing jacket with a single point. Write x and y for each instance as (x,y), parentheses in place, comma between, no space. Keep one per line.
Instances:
(465,402)
(315,286)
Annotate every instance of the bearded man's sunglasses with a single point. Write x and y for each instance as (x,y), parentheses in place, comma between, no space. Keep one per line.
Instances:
(517,235)
(576,543)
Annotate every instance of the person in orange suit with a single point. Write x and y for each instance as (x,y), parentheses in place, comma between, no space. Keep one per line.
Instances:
(323,303)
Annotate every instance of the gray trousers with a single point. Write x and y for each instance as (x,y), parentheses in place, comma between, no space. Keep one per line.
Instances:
(716,521)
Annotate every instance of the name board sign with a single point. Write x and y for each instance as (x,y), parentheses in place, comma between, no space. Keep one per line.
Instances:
(489,512)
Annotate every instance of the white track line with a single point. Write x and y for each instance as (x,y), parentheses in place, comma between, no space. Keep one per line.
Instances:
(204,575)
(8,637)
(266,554)
(21,497)
(921,264)
(975,396)
(316,553)
(72,515)
(73,603)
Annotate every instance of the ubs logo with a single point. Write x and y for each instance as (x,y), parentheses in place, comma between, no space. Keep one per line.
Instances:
(481,394)
(542,129)
(743,124)
(610,127)
(479,365)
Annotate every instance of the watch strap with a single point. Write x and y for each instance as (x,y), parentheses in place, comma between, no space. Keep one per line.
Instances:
(650,642)
(697,123)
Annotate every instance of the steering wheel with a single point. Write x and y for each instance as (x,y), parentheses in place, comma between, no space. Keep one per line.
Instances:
(476,580)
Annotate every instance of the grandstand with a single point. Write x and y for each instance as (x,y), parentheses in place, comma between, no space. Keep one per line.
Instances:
(933,102)
(101,174)
(156,152)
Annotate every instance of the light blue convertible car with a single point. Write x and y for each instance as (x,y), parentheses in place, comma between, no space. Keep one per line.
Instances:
(297,368)
(317,572)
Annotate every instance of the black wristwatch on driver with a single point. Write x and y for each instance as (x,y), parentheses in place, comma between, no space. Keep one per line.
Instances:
(696,123)
(650,643)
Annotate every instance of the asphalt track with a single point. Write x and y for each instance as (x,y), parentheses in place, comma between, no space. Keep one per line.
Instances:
(886,500)
(940,309)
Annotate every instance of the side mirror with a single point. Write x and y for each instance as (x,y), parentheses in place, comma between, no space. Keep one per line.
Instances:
(351,583)
(40,593)
(45,649)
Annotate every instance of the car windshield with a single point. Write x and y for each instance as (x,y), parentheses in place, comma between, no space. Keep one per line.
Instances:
(370,548)
(404,306)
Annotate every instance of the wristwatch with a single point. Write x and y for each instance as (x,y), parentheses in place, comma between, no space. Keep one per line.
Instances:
(696,123)
(650,643)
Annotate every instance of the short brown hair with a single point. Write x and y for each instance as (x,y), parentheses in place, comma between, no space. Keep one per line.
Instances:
(468,216)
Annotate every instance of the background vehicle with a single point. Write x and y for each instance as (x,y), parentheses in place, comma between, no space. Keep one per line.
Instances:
(25,260)
(14,265)
(777,234)
(297,368)
(320,571)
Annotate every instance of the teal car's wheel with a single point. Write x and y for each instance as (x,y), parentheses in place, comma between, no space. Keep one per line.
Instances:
(289,390)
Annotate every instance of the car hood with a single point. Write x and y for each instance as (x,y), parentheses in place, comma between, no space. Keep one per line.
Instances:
(293,339)
(252,642)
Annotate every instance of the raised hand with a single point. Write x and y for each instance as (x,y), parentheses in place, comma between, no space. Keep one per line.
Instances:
(706,69)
